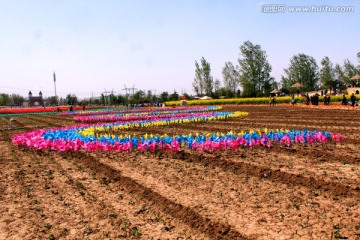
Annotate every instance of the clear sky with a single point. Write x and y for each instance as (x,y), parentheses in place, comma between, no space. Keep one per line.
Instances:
(94,45)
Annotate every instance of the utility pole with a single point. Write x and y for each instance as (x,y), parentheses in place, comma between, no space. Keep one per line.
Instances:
(112,96)
(126,93)
(106,96)
(54,76)
(133,89)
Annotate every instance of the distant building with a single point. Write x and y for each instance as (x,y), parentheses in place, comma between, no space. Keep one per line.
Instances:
(35,100)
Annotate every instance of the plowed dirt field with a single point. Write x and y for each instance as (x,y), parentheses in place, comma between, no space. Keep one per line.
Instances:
(296,192)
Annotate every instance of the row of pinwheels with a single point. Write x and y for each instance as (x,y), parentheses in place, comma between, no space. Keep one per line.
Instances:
(138,110)
(68,135)
(70,140)
(19,111)
(107,137)
(146,114)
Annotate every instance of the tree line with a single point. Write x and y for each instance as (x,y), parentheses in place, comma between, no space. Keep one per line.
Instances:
(71,99)
(253,75)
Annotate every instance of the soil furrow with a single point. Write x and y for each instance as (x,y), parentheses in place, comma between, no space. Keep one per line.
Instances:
(187,215)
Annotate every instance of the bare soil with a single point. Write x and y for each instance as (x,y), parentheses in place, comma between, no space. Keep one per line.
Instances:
(297,192)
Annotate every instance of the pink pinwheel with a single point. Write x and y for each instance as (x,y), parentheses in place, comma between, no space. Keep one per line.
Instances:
(299,139)
(29,142)
(62,147)
(263,140)
(205,146)
(216,145)
(243,142)
(175,145)
(76,145)
(119,147)
(226,143)
(338,137)
(167,147)
(106,147)
(310,139)
(45,145)
(89,146)
(142,146)
(321,138)
(152,146)
(202,146)
(234,145)
(252,143)
(285,140)
(333,136)
(116,147)
(208,146)
(195,145)
(268,144)
(129,146)
(160,145)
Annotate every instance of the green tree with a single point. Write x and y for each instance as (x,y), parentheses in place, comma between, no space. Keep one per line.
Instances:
(254,70)
(187,96)
(4,99)
(112,99)
(17,99)
(208,79)
(138,97)
(338,73)
(327,73)
(97,101)
(121,99)
(174,96)
(102,99)
(154,99)
(222,92)
(302,69)
(164,96)
(71,99)
(53,100)
(230,78)
(148,97)
(198,81)
(216,87)
(349,71)
(203,82)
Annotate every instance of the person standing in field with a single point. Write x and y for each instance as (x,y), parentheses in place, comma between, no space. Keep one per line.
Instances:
(344,101)
(316,99)
(293,100)
(271,100)
(307,99)
(353,99)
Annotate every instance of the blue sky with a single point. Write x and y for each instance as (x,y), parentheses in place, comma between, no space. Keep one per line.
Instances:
(106,44)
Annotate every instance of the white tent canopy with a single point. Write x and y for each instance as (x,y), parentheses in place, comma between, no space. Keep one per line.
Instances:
(205,98)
